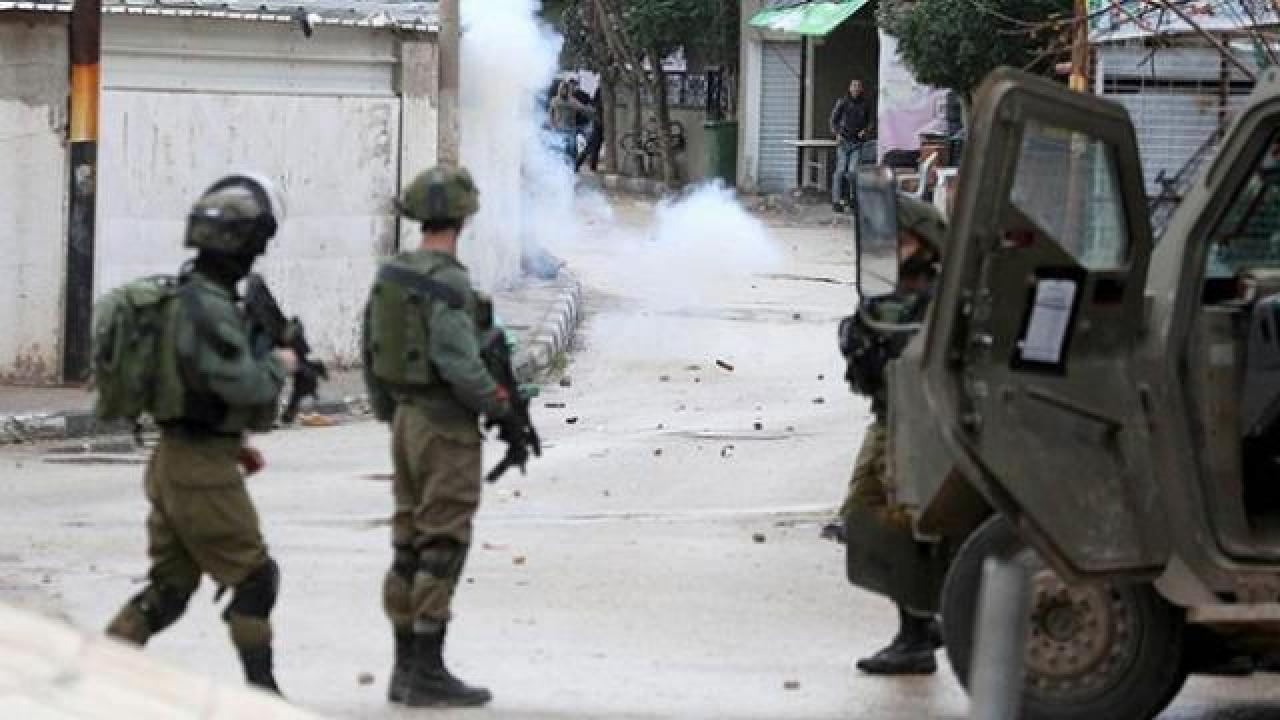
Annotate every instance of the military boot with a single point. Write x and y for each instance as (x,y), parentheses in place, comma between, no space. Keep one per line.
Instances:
(130,625)
(403,668)
(911,652)
(258,671)
(835,531)
(430,682)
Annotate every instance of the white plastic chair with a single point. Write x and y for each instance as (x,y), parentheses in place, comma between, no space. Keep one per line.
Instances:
(943,190)
(922,178)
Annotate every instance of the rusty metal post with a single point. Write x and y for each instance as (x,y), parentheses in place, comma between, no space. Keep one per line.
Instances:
(86,48)
(997,667)
(450,139)
(1080,48)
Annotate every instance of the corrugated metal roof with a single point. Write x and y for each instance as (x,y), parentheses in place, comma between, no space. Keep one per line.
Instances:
(415,16)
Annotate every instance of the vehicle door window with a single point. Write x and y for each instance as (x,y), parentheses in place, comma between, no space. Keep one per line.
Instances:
(1248,237)
(1067,183)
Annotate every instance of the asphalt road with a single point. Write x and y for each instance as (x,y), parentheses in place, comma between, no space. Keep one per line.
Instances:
(661,560)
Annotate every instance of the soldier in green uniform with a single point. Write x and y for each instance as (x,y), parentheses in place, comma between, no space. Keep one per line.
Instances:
(425,375)
(214,385)
(870,498)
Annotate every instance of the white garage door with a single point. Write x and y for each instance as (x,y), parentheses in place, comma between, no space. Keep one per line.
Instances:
(779,115)
(187,102)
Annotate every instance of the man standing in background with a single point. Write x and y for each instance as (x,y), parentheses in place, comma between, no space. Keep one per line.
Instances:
(564,112)
(595,138)
(851,126)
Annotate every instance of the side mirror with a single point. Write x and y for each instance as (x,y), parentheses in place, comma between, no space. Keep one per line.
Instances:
(876,237)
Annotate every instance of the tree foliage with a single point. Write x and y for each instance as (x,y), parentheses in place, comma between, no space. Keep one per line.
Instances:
(664,26)
(953,44)
(626,41)
(660,26)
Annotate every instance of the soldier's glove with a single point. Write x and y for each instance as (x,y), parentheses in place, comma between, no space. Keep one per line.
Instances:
(251,460)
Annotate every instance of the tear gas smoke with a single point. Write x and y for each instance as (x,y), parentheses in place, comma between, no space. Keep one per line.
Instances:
(509,58)
(528,198)
(699,238)
(701,244)
(708,232)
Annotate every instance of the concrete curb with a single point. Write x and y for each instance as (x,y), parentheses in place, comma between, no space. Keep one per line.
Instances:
(554,336)
(634,185)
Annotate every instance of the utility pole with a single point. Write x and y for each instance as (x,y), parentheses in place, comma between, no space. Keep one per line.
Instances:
(86,49)
(450,139)
(1080,48)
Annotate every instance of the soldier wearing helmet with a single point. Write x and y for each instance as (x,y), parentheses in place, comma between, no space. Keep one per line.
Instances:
(870,500)
(213,386)
(425,376)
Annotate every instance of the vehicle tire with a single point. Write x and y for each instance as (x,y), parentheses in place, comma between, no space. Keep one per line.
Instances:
(1102,651)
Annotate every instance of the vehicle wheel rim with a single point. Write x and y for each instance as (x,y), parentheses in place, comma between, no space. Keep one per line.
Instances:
(1081,638)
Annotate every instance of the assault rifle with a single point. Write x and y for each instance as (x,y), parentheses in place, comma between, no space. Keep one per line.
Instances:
(272,327)
(516,428)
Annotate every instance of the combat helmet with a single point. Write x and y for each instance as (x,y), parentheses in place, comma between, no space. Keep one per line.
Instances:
(923,220)
(440,194)
(236,216)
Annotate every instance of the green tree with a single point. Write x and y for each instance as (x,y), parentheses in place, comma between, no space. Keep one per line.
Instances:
(953,44)
(627,40)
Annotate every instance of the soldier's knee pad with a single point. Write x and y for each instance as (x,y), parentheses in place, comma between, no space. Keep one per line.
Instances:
(442,559)
(404,563)
(256,596)
(161,605)
(147,613)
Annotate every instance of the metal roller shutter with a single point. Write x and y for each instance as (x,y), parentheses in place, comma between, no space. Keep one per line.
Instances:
(1175,98)
(779,115)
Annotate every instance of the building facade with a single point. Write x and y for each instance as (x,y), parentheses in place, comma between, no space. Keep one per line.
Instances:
(339,118)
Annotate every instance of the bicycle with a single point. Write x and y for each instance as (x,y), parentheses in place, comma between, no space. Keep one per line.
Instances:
(644,147)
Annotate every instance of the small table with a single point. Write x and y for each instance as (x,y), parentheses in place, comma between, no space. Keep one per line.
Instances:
(808,163)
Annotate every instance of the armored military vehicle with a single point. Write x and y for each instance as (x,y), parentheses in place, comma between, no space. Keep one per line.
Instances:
(1104,402)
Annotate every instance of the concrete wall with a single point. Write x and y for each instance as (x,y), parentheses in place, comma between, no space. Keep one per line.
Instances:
(339,121)
(417,79)
(749,85)
(692,161)
(33,188)
(186,102)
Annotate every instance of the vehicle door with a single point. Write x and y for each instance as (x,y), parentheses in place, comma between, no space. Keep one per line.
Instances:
(1030,357)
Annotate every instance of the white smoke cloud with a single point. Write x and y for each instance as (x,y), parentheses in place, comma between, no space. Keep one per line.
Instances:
(692,253)
(712,233)
(697,240)
(509,58)
(528,196)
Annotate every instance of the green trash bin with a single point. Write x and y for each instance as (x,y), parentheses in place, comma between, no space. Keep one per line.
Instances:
(722,150)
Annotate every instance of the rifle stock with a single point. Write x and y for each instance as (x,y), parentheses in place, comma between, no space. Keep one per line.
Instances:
(516,429)
(264,312)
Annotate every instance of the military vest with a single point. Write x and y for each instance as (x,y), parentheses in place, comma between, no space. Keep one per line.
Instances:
(399,332)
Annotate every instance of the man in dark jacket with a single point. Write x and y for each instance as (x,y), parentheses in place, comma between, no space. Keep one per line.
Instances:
(851,121)
(595,138)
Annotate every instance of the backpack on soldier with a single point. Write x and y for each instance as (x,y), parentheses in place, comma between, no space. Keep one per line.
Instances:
(128,326)
(398,334)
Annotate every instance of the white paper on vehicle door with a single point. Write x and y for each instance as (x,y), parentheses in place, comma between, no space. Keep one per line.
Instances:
(1050,320)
